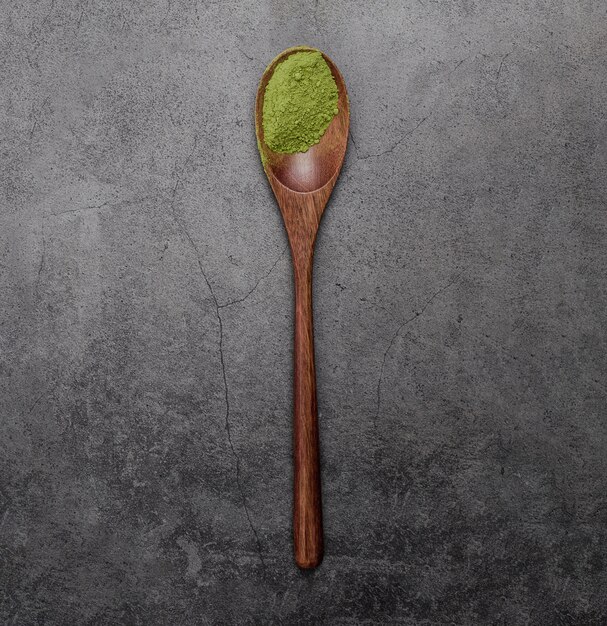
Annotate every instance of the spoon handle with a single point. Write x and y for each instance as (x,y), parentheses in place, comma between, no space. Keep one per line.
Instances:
(307,509)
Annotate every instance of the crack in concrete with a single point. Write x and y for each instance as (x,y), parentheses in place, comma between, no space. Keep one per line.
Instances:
(262,278)
(34,115)
(499,69)
(229,432)
(35,403)
(84,208)
(188,238)
(377,306)
(33,130)
(45,20)
(245,54)
(457,65)
(394,146)
(397,333)
(107,203)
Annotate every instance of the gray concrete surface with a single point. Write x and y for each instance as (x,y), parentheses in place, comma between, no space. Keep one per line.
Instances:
(146,306)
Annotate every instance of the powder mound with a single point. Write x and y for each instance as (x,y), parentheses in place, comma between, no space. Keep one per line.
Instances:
(299,103)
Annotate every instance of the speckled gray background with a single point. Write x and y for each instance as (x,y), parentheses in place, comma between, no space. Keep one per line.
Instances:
(146,317)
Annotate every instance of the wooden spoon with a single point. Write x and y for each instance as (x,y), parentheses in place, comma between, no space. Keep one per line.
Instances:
(302,183)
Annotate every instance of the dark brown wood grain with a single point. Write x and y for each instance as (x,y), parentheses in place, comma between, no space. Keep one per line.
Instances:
(302,184)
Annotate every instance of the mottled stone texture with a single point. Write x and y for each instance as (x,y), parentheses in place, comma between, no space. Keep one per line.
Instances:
(146,317)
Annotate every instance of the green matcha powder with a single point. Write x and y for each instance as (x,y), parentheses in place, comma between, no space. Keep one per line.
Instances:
(299,103)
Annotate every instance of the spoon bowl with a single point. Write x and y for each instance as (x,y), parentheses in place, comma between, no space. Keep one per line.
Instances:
(311,170)
(302,183)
